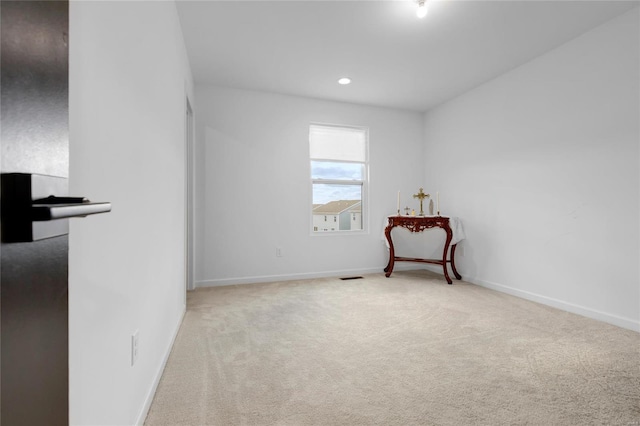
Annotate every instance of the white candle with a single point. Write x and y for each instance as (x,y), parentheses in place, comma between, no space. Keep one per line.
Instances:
(438,202)
(398,209)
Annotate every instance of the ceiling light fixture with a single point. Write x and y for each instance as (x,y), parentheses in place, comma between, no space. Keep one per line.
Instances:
(344,80)
(421,12)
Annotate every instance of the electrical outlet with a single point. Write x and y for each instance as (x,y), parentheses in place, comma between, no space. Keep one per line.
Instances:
(278,251)
(135,346)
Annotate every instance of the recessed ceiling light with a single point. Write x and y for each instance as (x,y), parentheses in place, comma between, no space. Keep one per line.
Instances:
(344,80)
(422,10)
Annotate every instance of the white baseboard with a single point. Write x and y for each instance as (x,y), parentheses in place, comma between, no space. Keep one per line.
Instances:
(616,320)
(287,277)
(302,276)
(156,381)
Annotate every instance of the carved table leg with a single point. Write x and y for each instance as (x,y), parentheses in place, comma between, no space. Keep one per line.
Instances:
(453,262)
(444,254)
(392,254)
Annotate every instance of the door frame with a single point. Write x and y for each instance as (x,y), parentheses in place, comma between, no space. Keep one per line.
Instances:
(189,196)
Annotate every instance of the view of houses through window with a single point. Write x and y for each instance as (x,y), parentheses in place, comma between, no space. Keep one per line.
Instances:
(338,174)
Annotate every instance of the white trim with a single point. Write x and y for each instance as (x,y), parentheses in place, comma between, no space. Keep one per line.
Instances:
(364,183)
(345,182)
(190,184)
(338,233)
(616,320)
(628,323)
(156,381)
(290,277)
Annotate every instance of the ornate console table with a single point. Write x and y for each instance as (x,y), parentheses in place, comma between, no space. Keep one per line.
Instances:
(419,224)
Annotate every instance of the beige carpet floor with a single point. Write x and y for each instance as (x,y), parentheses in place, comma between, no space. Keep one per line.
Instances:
(405,350)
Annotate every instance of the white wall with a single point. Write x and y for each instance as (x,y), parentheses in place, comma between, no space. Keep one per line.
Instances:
(256,170)
(128,80)
(542,166)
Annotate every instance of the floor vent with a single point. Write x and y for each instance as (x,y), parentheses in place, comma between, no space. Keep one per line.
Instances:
(350,278)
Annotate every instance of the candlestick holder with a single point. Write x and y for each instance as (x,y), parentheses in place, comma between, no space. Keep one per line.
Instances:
(438,213)
(398,212)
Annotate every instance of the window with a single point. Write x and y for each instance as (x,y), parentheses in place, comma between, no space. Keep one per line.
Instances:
(339,170)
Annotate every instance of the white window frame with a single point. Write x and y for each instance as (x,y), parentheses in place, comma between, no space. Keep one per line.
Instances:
(364,204)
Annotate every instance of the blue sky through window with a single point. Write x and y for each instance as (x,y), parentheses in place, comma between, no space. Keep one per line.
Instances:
(324,193)
(336,170)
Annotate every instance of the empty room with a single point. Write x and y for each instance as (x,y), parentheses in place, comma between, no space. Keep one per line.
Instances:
(325,212)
